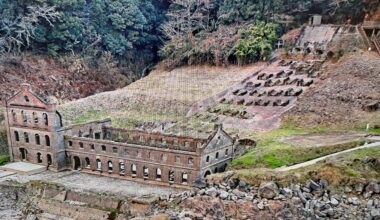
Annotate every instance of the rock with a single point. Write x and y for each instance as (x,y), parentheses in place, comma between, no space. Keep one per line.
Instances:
(233,183)
(238,193)
(353,200)
(201,192)
(260,205)
(223,194)
(268,190)
(31,217)
(370,203)
(367,195)
(200,183)
(372,187)
(347,189)
(314,185)
(334,202)
(248,198)
(288,193)
(359,188)
(212,192)
(375,213)
(323,183)
(320,214)
(242,185)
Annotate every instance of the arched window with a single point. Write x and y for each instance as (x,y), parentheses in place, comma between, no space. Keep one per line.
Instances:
(47,140)
(158,174)
(171,176)
(35,118)
(208,159)
(217,155)
(87,162)
(39,160)
(184,178)
(49,160)
(14,116)
(38,141)
(122,168)
(17,136)
(146,172)
(191,161)
(26,137)
(134,169)
(98,164)
(226,152)
(46,120)
(110,166)
(24,116)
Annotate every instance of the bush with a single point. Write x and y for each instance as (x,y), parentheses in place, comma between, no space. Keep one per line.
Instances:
(256,42)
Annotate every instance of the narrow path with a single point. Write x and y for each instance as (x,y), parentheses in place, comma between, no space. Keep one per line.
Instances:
(311,162)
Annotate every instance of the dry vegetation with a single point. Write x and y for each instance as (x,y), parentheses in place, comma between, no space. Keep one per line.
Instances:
(337,102)
(161,97)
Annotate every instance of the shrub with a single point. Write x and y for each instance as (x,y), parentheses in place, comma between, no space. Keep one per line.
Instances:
(256,42)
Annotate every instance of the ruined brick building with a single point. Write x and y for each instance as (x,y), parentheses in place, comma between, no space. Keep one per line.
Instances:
(36,134)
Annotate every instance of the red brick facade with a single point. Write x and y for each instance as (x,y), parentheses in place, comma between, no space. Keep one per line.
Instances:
(36,134)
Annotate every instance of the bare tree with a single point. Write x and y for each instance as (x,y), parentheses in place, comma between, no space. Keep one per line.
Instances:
(19,32)
(187,16)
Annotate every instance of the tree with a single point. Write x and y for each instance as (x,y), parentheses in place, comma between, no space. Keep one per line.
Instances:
(256,42)
(18,32)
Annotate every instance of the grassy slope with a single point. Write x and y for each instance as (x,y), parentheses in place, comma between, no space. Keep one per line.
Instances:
(346,169)
(272,152)
(161,97)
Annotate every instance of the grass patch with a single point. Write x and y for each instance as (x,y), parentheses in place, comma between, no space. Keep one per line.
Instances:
(375,130)
(90,116)
(272,153)
(4,159)
(346,169)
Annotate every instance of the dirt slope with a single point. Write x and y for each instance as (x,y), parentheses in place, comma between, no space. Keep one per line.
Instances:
(48,78)
(161,97)
(337,102)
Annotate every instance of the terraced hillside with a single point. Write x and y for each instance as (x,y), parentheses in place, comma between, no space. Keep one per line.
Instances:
(160,99)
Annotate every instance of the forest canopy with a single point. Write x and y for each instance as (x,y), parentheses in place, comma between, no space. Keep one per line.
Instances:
(143,32)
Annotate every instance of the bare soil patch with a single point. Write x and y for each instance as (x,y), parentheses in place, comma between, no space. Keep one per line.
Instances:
(323,139)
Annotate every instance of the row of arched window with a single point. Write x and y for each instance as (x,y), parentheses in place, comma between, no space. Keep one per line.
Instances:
(138,153)
(37,138)
(35,117)
(133,171)
(154,140)
(217,155)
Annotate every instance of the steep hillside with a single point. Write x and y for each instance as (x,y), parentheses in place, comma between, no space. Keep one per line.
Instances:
(69,80)
(349,85)
(162,97)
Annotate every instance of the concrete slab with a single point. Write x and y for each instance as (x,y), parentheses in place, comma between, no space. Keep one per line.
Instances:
(23,168)
(6,173)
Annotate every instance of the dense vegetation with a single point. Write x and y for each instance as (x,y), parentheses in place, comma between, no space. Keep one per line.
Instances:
(135,31)
(126,28)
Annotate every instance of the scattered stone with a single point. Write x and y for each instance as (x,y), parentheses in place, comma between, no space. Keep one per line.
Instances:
(212,192)
(347,189)
(268,190)
(223,194)
(334,202)
(238,193)
(314,185)
(359,188)
(373,187)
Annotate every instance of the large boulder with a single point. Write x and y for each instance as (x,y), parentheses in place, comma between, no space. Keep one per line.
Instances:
(268,190)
